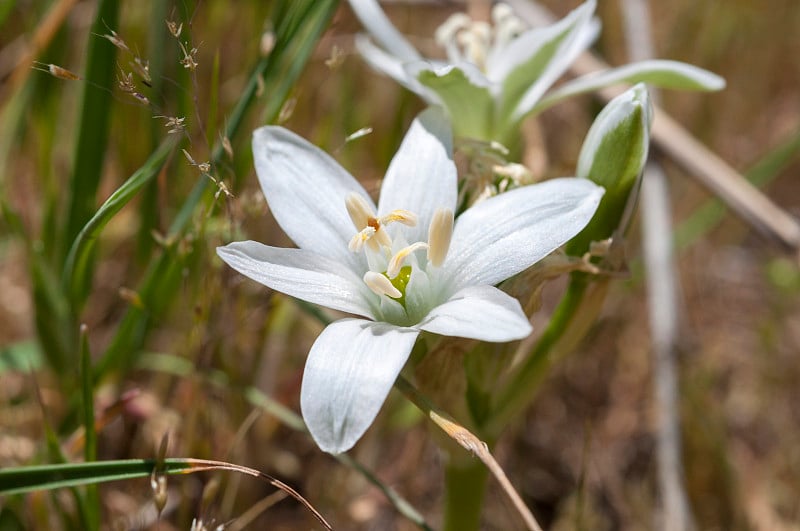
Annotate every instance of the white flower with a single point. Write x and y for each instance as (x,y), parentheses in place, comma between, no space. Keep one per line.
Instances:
(497,74)
(402,267)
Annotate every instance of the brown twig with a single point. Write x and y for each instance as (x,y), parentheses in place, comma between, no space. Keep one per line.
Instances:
(471,443)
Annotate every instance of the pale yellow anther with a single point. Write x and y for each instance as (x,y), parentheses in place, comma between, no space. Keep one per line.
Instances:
(475,42)
(380,285)
(440,232)
(501,11)
(446,33)
(359,210)
(397,261)
(357,242)
(369,227)
(406,217)
(506,24)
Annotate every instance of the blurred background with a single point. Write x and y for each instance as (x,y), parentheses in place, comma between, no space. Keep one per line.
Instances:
(181,344)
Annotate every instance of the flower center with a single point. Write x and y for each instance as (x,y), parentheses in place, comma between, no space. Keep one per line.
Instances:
(465,39)
(390,274)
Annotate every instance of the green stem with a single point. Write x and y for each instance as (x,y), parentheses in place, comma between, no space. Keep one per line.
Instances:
(465,486)
(571,320)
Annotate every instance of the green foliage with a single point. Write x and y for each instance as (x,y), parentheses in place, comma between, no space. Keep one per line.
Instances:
(470,107)
(79,263)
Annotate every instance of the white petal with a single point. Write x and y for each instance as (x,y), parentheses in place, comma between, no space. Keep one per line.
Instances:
(479,312)
(306,191)
(506,234)
(525,82)
(422,175)
(378,24)
(660,73)
(350,370)
(300,273)
(388,64)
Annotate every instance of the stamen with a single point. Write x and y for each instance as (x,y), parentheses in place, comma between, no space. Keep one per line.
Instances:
(475,42)
(507,25)
(380,285)
(407,218)
(381,236)
(396,263)
(440,232)
(500,12)
(517,173)
(357,242)
(466,40)
(446,32)
(359,210)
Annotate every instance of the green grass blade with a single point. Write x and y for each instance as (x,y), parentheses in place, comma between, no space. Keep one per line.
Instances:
(78,267)
(45,477)
(90,436)
(94,121)
(149,204)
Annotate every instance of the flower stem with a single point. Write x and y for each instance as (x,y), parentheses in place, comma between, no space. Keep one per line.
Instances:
(570,322)
(465,485)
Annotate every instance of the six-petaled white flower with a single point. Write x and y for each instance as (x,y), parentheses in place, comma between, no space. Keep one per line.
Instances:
(402,267)
(497,74)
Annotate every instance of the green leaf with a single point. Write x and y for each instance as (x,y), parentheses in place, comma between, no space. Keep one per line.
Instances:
(613,155)
(90,436)
(660,73)
(78,267)
(470,106)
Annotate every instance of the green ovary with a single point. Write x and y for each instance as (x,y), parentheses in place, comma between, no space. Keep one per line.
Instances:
(400,282)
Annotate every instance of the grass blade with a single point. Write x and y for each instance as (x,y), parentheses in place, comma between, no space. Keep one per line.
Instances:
(90,448)
(44,477)
(78,267)
(94,122)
